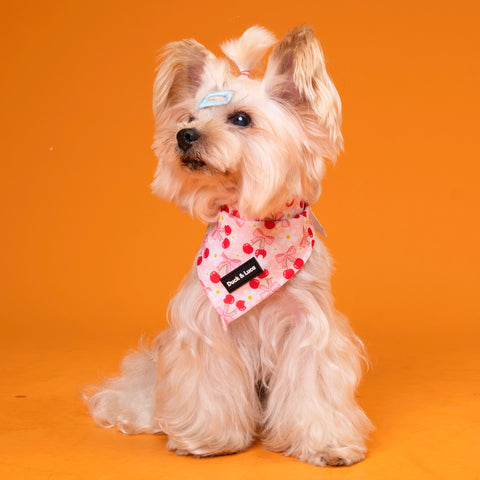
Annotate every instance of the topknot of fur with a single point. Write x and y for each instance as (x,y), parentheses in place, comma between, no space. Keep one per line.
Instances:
(250,48)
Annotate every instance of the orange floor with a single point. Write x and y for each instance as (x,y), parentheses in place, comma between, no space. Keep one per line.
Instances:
(422,392)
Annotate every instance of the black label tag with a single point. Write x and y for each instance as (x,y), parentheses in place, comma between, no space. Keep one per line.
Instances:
(241,275)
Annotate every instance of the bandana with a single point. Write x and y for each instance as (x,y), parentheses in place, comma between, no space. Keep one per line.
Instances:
(242,262)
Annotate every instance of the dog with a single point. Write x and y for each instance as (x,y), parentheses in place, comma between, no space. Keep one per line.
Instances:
(255,347)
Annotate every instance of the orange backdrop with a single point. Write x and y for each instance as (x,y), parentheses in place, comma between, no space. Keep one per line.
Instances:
(88,256)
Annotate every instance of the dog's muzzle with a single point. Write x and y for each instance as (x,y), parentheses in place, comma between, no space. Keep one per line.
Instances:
(185,139)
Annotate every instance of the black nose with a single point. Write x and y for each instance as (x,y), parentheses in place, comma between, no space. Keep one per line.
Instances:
(186,138)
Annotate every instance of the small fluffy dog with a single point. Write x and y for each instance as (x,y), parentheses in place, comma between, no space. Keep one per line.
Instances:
(255,347)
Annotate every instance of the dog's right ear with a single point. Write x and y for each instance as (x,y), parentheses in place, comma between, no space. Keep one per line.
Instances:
(179,74)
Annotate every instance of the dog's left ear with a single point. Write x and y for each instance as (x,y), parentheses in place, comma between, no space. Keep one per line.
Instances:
(296,74)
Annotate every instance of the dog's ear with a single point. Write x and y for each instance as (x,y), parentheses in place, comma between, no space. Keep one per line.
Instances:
(296,74)
(179,74)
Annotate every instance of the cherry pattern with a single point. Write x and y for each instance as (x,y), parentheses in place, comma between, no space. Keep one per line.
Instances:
(214,277)
(247,248)
(288,273)
(298,263)
(241,305)
(260,252)
(229,299)
(264,274)
(281,244)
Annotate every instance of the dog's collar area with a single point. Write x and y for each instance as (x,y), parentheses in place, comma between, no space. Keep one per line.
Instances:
(290,210)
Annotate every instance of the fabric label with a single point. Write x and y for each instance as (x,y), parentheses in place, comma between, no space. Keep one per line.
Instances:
(241,275)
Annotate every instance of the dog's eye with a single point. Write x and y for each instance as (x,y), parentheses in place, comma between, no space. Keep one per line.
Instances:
(240,119)
(191,118)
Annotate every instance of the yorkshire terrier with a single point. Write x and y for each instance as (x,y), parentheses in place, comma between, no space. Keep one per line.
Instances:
(255,346)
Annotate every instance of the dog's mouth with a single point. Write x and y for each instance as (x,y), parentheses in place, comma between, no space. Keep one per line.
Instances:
(192,163)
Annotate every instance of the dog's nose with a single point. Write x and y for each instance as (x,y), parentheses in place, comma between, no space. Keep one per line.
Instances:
(186,138)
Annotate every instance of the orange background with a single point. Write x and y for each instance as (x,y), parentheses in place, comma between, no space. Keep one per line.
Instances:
(89,261)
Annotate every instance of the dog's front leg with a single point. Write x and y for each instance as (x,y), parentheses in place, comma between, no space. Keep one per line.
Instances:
(205,395)
(311,411)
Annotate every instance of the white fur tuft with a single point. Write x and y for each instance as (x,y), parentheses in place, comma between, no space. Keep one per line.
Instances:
(249,49)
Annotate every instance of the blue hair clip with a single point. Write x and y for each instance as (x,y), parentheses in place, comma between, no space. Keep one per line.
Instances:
(222,97)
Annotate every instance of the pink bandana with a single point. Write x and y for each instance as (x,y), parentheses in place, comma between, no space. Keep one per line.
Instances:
(242,262)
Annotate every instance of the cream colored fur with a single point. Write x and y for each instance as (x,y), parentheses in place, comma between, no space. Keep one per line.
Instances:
(286,371)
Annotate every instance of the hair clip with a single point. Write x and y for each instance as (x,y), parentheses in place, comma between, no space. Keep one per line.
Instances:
(221,97)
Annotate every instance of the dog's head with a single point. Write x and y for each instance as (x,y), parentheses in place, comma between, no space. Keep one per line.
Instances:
(224,138)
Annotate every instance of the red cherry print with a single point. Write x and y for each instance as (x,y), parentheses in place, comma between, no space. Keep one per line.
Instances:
(298,263)
(254,283)
(235,213)
(241,305)
(264,274)
(224,208)
(269,224)
(228,229)
(310,232)
(261,252)
(229,299)
(313,243)
(288,273)
(290,204)
(304,213)
(206,253)
(301,204)
(199,260)
(214,277)
(247,248)
(226,243)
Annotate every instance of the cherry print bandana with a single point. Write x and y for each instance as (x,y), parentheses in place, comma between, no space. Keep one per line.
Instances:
(242,262)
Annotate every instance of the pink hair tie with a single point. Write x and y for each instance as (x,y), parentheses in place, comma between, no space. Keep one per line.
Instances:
(245,72)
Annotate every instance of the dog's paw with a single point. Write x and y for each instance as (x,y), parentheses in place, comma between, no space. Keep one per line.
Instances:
(335,457)
(199,451)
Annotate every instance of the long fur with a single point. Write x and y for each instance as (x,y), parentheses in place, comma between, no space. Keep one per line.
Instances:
(250,48)
(287,370)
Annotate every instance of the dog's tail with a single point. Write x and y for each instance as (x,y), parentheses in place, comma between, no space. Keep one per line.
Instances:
(127,402)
